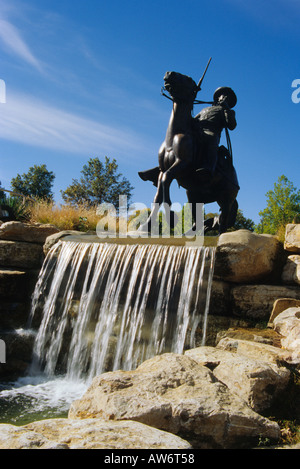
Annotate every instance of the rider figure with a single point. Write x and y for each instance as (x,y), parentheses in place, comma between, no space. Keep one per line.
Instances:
(209,124)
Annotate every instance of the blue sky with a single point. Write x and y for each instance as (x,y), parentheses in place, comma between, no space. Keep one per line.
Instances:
(83,79)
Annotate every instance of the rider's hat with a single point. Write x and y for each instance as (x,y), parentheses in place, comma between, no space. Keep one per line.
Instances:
(231,96)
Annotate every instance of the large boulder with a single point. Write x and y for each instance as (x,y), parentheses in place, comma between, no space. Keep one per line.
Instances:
(175,394)
(52,239)
(287,324)
(280,305)
(30,233)
(255,350)
(258,382)
(87,434)
(292,238)
(21,254)
(246,257)
(256,301)
(291,271)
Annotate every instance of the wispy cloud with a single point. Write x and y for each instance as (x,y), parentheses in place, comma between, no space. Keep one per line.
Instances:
(280,14)
(29,121)
(12,41)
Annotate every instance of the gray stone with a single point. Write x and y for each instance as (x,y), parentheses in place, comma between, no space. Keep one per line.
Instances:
(287,324)
(280,305)
(291,271)
(88,434)
(259,383)
(292,238)
(256,301)
(256,350)
(175,394)
(28,232)
(20,254)
(243,256)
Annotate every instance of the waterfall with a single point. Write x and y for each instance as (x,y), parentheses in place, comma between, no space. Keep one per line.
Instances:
(105,306)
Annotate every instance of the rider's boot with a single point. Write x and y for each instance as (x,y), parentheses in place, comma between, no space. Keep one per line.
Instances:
(150,175)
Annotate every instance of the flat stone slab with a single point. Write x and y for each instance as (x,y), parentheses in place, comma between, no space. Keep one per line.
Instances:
(20,254)
(12,283)
(31,233)
(256,301)
(131,238)
(88,434)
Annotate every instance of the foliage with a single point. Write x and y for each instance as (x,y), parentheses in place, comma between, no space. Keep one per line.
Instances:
(65,217)
(18,210)
(36,183)
(100,183)
(243,222)
(2,194)
(283,207)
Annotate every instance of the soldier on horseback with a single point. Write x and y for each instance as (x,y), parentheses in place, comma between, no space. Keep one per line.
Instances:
(208,125)
(191,153)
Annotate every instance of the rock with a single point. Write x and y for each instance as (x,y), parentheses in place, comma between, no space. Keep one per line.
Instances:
(19,346)
(12,283)
(291,271)
(87,434)
(54,238)
(280,305)
(256,301)
(31,233)
(257,351)
(292,238)
(20,254)
(246,257)
(287,324)
(175,394)
(258,383)
(220,298)
(287,320)
(264,336)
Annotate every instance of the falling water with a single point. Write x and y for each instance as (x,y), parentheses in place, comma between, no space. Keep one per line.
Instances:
(108,306)
(103,307)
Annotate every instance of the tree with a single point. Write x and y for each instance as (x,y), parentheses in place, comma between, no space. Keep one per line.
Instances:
(242,222)
(100,183)
(2,194)
(36,183)
(283,207)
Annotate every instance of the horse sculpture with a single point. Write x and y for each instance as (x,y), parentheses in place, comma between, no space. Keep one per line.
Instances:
(180,159)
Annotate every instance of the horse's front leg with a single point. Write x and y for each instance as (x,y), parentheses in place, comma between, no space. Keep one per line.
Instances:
(158,200)
(228,214)
(181,156)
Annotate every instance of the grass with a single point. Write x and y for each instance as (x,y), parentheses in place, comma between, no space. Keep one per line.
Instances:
(65,217)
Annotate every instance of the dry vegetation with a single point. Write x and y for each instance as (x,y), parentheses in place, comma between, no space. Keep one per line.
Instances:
(65,217)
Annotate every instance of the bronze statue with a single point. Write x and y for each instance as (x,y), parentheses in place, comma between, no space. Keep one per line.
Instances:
(191,153)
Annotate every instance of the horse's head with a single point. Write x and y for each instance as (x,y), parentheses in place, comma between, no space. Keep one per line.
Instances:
(180,87)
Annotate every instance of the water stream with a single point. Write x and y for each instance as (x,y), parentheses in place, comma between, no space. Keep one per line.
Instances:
(103,307)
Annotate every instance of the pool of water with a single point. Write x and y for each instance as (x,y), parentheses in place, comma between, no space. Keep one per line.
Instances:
(36,398)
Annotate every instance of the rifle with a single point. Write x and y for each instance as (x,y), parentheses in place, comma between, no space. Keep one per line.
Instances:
(202,78)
